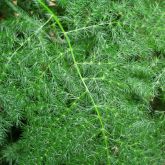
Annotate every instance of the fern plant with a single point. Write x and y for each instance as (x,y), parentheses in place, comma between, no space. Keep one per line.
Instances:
(83,83)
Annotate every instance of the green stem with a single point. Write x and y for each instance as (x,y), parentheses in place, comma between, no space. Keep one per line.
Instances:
(81,78)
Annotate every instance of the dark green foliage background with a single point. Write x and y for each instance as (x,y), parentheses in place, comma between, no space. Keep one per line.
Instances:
(46,115)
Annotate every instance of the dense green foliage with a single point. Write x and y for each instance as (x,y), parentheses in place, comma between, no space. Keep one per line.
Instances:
(103,103)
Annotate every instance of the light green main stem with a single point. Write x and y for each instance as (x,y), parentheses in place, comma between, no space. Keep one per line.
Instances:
(81,78)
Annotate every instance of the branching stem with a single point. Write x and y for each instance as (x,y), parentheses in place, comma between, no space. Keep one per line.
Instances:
(81,78)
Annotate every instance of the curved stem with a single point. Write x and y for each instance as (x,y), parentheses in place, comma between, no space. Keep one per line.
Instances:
(81,78)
